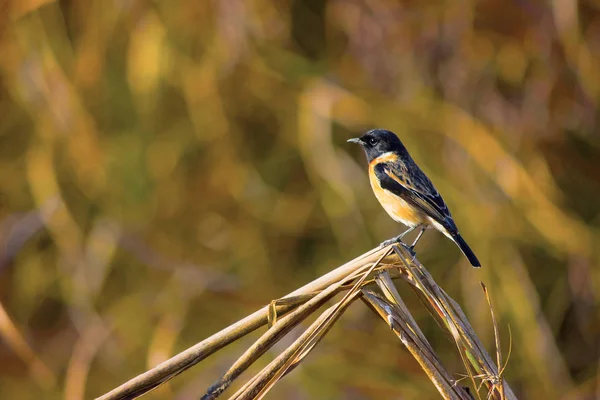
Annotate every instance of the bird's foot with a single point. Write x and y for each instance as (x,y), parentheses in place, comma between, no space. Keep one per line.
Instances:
(398,240)
(394,240)
(410,249)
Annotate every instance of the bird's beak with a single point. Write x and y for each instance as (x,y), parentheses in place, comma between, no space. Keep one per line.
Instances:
(355,140)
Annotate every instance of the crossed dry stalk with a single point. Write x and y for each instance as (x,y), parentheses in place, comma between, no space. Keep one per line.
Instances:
(370,278)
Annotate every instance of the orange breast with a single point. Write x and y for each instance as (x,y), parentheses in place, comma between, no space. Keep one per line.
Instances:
(395,206)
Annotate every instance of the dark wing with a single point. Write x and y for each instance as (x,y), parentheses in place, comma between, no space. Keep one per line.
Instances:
(416,189)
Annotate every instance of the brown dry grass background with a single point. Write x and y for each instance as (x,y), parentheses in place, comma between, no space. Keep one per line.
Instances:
(169,167)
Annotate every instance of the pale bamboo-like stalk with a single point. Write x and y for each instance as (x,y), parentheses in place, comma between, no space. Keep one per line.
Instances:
(166,370)
(351,277)
(450,316)
(270,337)
(420,350)
(257,387)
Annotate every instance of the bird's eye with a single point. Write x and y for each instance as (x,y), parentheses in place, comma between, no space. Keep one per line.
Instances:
(373,141)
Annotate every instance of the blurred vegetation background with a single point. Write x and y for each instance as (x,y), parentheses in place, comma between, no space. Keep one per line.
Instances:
(166,168)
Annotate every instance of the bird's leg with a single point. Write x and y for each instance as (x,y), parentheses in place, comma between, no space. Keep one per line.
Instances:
(412,246)
(398,238)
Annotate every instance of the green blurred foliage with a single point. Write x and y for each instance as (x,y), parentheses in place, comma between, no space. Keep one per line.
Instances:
(168,167)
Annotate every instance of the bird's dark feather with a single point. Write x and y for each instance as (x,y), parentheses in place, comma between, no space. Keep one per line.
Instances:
(416,189)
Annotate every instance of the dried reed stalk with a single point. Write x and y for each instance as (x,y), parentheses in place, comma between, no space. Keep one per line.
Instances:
(351,278)
(166,370)
(450,316)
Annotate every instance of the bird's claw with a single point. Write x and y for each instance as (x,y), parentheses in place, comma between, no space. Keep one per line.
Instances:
(410,249)
(397,240)
(389,242)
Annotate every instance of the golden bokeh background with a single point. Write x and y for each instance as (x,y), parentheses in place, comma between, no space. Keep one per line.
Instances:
(167,168)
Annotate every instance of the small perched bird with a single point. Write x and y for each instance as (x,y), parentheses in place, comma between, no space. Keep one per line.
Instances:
(405,192)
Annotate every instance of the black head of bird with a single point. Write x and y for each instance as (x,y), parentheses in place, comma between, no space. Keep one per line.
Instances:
(379,141)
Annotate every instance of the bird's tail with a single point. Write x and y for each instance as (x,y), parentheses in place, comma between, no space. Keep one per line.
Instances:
(464,247)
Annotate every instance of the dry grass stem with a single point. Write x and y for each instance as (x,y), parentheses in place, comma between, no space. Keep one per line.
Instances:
(353,279)
(406,330)
(285,362)
(165,371)
(272,335)
(450,316)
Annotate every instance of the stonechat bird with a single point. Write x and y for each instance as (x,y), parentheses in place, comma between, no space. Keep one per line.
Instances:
(405,192)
